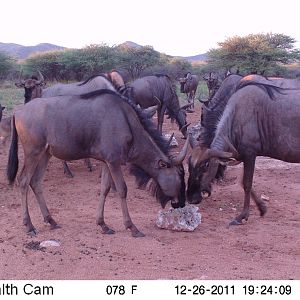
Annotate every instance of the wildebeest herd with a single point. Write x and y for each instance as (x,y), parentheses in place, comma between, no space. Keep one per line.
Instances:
(105,119)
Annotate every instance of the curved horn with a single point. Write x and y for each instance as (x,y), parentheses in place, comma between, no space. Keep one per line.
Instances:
(184,127)
(41,76)
(186,106)
(159,102)
(180,157)
(150,111)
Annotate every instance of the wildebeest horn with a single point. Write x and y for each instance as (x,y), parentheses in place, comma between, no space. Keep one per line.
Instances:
(150,111)
(184,127)
(186,106)
(180,157)
(41,76)
(159,102)
(231,148)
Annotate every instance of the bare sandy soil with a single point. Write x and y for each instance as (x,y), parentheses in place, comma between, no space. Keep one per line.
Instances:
(263,248)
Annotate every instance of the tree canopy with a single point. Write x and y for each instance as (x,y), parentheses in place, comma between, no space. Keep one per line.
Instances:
(7,64)
(254,53)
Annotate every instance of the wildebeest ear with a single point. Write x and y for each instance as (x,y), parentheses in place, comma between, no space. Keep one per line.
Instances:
(228,161)
(20,84)
(163,164)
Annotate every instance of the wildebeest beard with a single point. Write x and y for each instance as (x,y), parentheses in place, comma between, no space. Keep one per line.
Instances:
(142,179)
(28,94)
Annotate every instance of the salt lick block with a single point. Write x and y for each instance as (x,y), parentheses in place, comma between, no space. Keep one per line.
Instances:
(180,219)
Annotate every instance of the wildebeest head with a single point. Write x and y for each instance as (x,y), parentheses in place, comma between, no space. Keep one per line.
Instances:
(171,185)
(212,82)
(183,81)
(33,87)
(203,166)
(167,175)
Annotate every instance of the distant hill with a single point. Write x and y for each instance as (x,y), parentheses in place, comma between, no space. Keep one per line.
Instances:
(195,58)
(22,52)
(129,44)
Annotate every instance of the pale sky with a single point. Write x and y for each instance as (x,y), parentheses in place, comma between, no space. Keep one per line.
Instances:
(177,27)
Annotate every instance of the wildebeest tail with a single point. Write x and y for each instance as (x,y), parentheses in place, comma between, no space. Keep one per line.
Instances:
(13,160)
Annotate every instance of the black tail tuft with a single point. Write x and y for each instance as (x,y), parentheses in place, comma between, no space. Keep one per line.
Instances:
(13,161)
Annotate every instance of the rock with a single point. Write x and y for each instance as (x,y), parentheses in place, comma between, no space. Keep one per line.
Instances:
(173,142)
(50,243)
(180,219)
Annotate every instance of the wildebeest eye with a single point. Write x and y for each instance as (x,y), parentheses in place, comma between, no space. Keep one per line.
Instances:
(206,164)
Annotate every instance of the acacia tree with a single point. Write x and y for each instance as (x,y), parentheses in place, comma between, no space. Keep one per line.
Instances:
(254,53)
(7,64)
(136,60)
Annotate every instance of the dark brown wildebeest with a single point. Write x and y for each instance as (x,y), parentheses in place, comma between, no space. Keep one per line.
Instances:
(51,126)
(188,85)
(159,90)
(33,89)
(210,114)
(276,81)
(258,120)
(213,83)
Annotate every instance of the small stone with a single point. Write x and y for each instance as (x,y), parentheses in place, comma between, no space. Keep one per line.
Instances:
(264,197)
(173,142)
(50,243)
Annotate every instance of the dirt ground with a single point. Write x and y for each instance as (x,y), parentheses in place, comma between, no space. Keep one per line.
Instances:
(263,248)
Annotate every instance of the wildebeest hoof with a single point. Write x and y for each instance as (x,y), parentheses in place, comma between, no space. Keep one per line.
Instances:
(32,232)
(108,231)
(55,226)
(235,222)
(137,234)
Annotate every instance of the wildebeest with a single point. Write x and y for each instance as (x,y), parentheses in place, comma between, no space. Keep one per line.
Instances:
(33,89)
(188,85)
(213,83)
(210,114)
(102,125)
(276,81)
(258,120)
(159,90)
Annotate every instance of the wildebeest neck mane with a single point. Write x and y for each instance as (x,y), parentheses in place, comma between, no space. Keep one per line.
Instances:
(91,78)
(214,113)
(147,124)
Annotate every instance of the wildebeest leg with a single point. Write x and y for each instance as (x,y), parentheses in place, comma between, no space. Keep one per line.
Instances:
(104,190)
(249,164)
(117,176)
(160,117)
(36,185)
(67,171)
(193,100)
(259,203)
(24,179)
(88,164)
